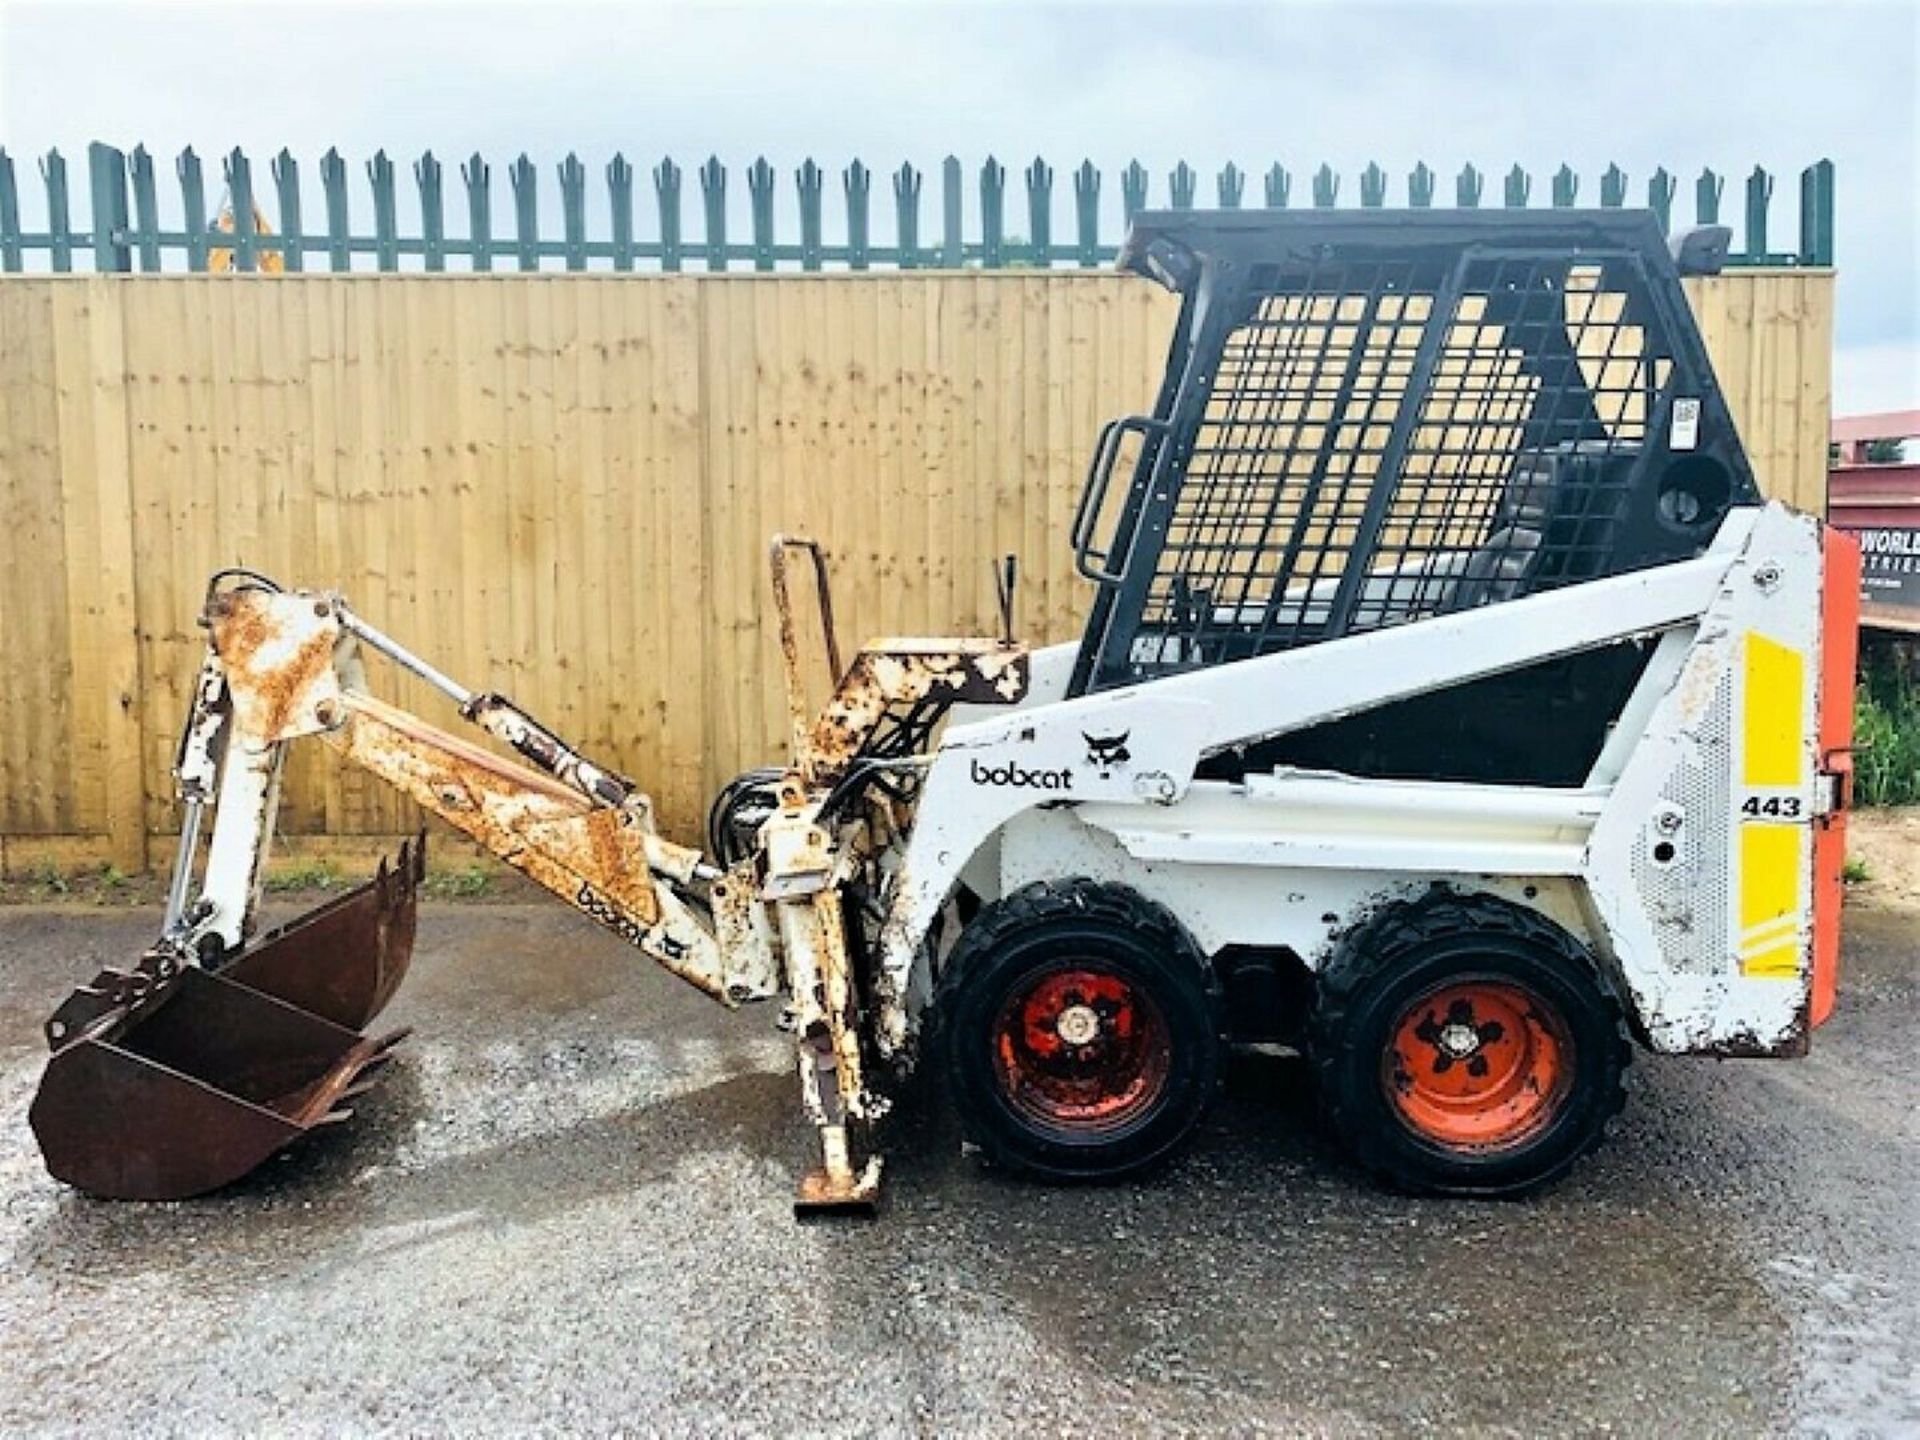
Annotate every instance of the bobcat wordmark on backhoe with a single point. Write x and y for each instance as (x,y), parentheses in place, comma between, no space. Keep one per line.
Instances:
(1451,708)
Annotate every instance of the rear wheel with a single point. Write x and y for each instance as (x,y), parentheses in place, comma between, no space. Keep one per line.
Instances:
(1079,1029)
(1466,1046)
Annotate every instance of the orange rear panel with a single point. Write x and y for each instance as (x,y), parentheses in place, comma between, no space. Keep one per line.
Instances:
(1839,647)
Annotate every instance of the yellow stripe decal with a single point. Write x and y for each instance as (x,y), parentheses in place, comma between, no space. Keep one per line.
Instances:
(1776,692)
(1782,962)
(1770,902)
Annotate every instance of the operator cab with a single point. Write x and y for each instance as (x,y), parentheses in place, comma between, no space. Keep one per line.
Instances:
(1373,419)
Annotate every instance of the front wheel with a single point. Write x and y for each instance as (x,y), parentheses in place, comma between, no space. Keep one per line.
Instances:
(1466,1046)
(1079,1030)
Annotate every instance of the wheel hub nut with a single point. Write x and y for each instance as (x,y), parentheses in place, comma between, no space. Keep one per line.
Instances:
(1078,1025)
(1459,1040)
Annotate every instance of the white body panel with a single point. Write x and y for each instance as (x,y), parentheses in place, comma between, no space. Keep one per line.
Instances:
(1103,785)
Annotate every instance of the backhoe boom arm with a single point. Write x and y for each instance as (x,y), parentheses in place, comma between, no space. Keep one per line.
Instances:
(282,666)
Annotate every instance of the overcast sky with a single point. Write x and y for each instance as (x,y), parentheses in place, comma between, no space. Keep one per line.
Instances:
(1724,85)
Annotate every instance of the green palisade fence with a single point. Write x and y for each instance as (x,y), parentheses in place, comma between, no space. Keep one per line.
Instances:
(124,232)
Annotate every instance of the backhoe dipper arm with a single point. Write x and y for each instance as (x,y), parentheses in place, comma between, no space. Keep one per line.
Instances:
(283,665)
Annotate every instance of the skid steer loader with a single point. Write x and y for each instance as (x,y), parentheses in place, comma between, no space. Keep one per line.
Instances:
(1451,708)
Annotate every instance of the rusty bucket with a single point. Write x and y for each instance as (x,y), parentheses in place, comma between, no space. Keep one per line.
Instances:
(344,961)
(168,1080)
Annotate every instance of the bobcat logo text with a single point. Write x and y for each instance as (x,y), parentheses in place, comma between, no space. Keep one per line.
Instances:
(610,915)
(1018,777)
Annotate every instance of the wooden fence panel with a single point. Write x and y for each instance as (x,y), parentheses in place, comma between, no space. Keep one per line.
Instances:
(562,487)
(1770,336)
(70,772)
(44,785)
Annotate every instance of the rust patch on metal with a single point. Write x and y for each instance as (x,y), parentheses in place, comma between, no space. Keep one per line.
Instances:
(740,924)
(779,548)
(533,822)
(277,650)
(596,860)
(894,674)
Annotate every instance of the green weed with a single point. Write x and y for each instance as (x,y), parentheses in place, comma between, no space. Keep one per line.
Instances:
(469,882)
(1886,728)
(304,875)
(50,878)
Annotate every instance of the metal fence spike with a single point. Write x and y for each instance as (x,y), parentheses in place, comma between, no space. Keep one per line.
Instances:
(1613,187)
(1420,183)
(811,181)
(906,210)
(1133,190)
(1086,210)
(1565,187)
(479,177)
(1759,198)
(1706,198)
(1518,188)
(1468,187)
(193,202)
(857,181)
(1326,187)
(286,185)
(333,186)
(993,193)
(1180,186)
(713,195)
(573,211)
(386,226)
(620,210)
(11,250)
(1660,188)
(1039,213)
(1279,186)
(666,189)
(146,205)
(107,183)
(952,251)
(1230,185)
(239,211)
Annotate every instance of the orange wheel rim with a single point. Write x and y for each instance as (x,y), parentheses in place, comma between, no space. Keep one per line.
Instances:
(1479,1064)
(1081,1049)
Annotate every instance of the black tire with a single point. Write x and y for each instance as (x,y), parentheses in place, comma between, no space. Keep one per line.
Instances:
(1395,1014)
(1106,1109)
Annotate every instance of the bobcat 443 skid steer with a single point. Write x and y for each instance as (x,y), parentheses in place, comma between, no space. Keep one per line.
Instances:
(1451,708)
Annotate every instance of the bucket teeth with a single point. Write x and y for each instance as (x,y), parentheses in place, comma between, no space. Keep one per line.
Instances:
(345,960)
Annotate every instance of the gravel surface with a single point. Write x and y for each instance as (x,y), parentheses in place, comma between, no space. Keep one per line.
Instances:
(568,1210)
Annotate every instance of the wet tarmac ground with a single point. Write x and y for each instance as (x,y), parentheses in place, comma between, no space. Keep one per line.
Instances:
(568,1210)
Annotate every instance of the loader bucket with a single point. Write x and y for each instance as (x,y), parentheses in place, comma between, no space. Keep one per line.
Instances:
(168,1080)
(197,1088)
(344,961)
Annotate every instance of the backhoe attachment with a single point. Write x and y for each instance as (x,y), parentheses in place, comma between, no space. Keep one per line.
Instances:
(223,1043)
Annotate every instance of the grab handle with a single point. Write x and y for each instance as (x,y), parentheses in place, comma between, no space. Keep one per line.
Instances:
(1095,564)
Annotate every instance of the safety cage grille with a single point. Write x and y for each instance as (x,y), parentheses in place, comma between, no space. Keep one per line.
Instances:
(1369,441)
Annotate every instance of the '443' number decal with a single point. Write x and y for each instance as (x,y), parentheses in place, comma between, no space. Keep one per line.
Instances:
(1771,807)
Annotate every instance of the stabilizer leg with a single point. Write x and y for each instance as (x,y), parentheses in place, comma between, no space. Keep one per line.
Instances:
(836,1186)
(832,1090)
